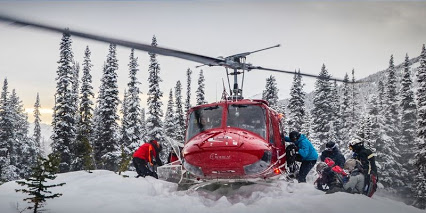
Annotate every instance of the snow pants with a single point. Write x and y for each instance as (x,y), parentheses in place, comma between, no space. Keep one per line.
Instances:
(306,166)
(142,168)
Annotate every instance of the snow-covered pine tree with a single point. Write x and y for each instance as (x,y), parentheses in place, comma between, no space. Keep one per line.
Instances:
(188,91)
(179,116)
(321,113)
(84,152)
(75,87)
(296,105)
(133,114)
(36,187)
(306,127)
(408,127)
(270,93)
(108,150)
(25,150)
(345,117)
(64,124)
(419,188)
(335,103)
(354,103)
(376,120)
(391,101)
(388,153)
(201,99)
(143,126)
(169,125)
(8,171)
(37,121)
(125,135)
(154,124)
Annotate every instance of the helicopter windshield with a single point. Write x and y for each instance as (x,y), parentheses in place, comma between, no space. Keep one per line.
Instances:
(249,117)
(203,119)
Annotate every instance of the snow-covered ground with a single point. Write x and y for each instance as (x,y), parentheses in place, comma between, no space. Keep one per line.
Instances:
(105,191)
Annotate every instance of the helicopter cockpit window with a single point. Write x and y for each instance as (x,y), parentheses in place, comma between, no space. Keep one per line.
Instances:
(204,119)
(249,117)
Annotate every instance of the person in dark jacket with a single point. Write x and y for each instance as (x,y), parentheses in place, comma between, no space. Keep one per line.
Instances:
(307,153)
(368,161)
(333,152)
(146,157)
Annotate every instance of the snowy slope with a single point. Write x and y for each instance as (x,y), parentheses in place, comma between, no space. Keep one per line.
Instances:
(105,192)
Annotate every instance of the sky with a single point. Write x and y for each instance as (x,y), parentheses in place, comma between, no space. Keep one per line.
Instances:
(104,191)
(343,35)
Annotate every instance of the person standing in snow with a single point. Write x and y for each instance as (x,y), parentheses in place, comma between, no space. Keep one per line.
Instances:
(332,151)
(306,151)
(147,156)
(368,161)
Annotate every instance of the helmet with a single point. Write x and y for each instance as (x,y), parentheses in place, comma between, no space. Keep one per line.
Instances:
(329,146)
(351,164)
(355,144)
(294,136)
(321,166)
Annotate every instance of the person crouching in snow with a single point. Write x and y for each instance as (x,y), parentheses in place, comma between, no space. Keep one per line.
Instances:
(355,184)
(147,156)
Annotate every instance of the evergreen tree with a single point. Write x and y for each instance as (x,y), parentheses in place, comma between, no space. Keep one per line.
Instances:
(389,155)
(419,188)
(376,120)
(154,123)
(408,126)
(201,99)
(336,134)
(8,170)
(83,153)
(179,116)
(37,189)
(306,127)
(25,150)
(188,91)
(107,139)
(37,121)
(296,105)
(169,124)
(391,101)
(354,103)
(345,114)
(133,114)
(63,123)
(321,113)
(270,93)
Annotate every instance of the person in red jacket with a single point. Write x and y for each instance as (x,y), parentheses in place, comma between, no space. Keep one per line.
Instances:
(147,156)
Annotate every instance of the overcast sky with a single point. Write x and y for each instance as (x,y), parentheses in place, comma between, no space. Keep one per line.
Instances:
(342,35)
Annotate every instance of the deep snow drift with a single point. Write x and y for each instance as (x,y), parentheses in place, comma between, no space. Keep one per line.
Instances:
(107,192)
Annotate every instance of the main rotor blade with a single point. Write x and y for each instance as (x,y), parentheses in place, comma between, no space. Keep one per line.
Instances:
(303,74)
(210,61)
(248,53)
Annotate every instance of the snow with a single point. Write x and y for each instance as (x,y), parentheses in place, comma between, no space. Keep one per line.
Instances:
(104,191)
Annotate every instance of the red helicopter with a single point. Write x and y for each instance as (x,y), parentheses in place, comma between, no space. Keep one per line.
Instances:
(233,139)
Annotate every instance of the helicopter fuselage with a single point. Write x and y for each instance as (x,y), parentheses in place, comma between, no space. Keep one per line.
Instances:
(234,140)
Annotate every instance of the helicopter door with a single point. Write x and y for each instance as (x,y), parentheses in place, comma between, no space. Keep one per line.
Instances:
(275,139)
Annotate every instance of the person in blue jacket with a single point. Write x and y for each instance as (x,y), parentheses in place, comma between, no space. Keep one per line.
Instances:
(307,153)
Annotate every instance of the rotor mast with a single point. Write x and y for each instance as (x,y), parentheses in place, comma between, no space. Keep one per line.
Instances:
(238,62)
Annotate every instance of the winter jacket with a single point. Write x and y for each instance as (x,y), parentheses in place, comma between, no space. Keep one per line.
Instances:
(355,183)
(148,153)
(306,150)
(368,160)
(335,155)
